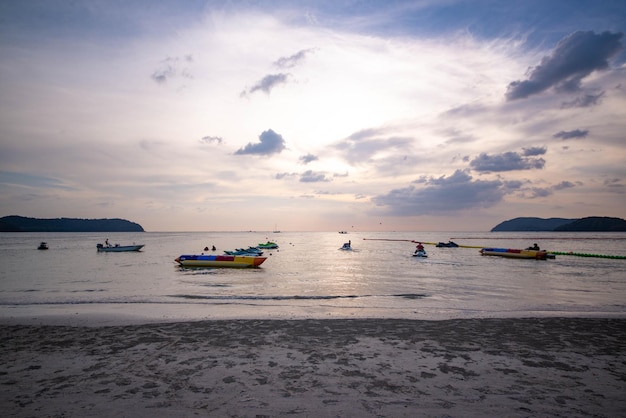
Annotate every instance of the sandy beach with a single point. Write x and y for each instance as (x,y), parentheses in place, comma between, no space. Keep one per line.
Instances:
(317,368)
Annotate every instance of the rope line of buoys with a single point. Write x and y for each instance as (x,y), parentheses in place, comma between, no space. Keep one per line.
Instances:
(617,257)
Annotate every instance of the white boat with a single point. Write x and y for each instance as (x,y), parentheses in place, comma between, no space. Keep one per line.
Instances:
(118,248)
(420,253)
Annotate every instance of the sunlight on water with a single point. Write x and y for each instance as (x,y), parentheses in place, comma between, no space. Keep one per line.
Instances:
(308,276)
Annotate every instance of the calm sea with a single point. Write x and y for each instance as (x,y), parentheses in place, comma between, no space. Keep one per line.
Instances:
(309,277)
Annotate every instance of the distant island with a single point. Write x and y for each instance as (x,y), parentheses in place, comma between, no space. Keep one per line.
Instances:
(23,224)
(589,224)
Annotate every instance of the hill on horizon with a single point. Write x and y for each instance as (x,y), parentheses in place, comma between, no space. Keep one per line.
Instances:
(588,224)
(23,224)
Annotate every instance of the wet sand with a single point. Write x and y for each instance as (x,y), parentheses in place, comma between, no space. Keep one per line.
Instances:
(565,367)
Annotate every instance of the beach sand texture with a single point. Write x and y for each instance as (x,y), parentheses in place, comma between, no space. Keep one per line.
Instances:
(566,367)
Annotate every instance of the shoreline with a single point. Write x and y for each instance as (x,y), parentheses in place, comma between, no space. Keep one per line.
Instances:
(544,366)
(93,315)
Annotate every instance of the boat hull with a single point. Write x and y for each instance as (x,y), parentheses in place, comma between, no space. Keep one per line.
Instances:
(119,248)
(233,261)
(514,253)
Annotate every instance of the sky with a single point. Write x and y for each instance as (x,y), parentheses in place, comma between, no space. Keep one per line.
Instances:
(355,115)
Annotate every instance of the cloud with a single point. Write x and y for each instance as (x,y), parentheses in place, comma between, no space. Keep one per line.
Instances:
(293,60)
(539,192)
(280,176)
(212,139)
(305,159)
(444,194)
(310,176)
(163,74)
(574,58)
(363,145)
(586,100)
(533,151)
(576,133)
(267,83)
(615,185)
(32,181)
(563,185)
(270,143)
(170,67)
(507,161)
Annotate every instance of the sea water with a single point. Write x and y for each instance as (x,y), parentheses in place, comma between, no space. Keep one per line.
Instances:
(308,276)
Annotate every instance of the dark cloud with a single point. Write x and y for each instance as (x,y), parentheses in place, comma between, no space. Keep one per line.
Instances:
(269,143)
(563,185)
(305,159)
(363,145)
(212,139)
(574,58)
(586,100)
(576,133)
(536,192)
(533,151)
(507,161)
(310,176)
(444,194)
(511,185)
(267,83)
(293,60)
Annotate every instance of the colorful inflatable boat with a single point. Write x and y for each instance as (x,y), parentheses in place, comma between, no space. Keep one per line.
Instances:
(220,261)
(513,253)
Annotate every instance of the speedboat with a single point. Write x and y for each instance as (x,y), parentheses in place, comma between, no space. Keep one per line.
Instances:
(244,251)
(420,253)
(268,245)
(448,244)
(235,261)
(514,253)
(118,248)
(43,246)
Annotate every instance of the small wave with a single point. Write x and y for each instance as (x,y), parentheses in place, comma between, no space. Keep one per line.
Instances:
(295,297)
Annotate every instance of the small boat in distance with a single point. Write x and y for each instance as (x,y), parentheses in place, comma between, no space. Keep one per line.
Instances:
(346,246)
(43,246)
(254,251)
(269,245)
(234,261)
(448,244)
(107,248)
